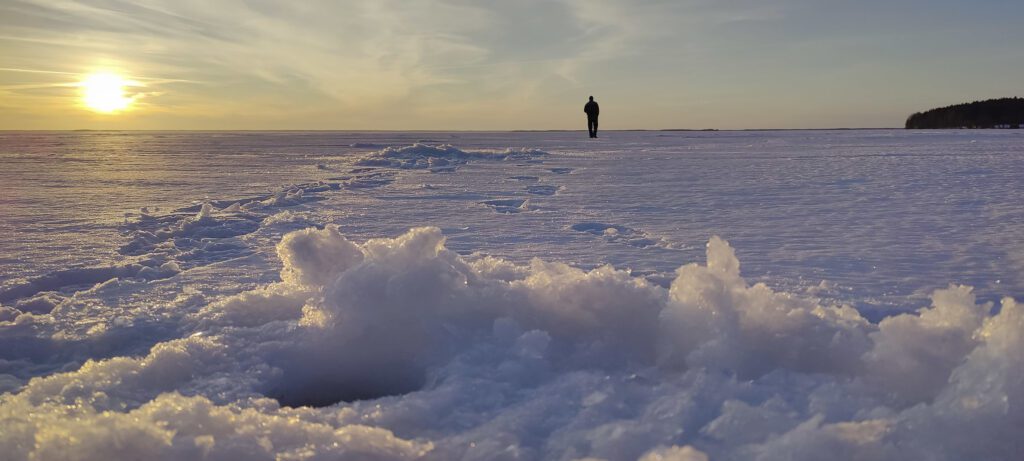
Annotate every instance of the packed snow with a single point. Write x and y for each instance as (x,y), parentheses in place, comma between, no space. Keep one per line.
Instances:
(643,296)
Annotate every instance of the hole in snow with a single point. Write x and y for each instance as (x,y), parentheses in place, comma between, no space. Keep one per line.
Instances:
(307,383)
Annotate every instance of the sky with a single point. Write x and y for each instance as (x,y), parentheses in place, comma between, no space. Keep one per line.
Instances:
(504,65)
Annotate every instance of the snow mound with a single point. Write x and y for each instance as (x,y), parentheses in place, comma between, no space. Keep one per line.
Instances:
(621,234)
(81,278)
(398,348)
(439,158)
(508,206)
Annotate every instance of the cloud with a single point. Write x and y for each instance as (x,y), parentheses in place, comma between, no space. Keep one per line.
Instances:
(470,64)
(373,57)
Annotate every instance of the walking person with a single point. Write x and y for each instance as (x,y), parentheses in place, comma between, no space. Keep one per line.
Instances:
(592,110)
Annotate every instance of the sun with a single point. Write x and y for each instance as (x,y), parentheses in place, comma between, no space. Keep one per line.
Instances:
(105,92)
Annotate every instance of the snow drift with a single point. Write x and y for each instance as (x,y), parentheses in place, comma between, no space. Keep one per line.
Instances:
(439,158)
(397,348)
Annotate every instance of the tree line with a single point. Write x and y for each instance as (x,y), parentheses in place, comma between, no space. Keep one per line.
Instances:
(993,113)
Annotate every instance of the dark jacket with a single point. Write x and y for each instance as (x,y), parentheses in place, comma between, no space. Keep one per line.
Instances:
(592,109)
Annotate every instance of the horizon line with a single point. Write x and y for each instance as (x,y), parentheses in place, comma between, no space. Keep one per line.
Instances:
(443,130)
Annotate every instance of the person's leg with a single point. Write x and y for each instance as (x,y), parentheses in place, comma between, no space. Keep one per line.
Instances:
(595,127)
(590,128)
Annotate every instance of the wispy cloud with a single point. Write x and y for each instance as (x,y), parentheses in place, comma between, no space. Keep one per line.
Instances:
(442,63)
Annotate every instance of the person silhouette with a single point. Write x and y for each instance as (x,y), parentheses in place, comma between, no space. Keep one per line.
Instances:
(592,110)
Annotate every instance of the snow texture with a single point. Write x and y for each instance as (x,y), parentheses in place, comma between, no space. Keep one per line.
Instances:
(276,327)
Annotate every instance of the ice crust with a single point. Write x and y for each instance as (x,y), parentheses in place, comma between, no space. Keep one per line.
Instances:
(483,358)
(442,158)
(397,347)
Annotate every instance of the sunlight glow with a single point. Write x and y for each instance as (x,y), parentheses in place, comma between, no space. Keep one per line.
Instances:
(105,92)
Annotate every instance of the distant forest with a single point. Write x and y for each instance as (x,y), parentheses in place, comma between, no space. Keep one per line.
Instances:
(994,113)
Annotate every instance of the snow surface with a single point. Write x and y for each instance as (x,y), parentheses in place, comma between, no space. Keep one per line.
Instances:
(512,295)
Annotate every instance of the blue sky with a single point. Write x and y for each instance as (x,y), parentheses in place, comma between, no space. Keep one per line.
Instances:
(459,64)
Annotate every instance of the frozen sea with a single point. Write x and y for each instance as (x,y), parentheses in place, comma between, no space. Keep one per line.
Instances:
(525,295)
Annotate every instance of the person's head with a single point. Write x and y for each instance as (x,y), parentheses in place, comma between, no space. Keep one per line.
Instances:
(591,98)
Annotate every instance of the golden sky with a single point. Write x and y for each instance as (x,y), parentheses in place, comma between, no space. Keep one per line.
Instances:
(490,65)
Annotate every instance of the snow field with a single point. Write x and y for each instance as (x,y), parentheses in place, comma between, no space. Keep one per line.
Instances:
(403,345)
